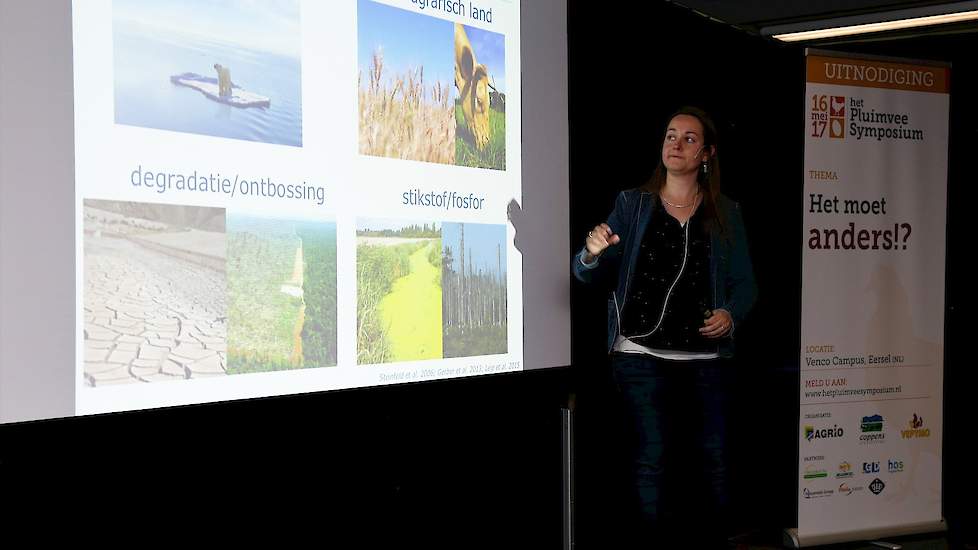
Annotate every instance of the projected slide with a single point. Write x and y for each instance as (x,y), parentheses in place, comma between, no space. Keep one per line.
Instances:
(293,196)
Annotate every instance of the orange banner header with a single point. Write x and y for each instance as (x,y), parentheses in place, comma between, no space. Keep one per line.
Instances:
(878,74)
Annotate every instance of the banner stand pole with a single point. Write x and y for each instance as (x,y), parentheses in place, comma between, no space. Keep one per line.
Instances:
(567,472)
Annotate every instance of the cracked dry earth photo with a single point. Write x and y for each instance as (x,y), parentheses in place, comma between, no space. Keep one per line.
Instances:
(155,288)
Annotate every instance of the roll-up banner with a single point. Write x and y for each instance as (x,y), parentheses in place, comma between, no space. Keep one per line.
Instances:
(875,202)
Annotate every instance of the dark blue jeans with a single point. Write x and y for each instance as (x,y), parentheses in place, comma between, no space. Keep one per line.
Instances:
(677,410)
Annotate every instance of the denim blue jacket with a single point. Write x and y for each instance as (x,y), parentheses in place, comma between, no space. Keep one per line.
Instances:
(731,272)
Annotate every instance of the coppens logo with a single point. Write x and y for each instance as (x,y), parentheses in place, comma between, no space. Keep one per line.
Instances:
(872,428)
(917,428)
(811,433)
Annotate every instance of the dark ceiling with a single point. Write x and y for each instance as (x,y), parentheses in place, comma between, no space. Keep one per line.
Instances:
(752,15)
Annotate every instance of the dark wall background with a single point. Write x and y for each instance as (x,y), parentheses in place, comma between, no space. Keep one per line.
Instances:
(628,74)
(476,462)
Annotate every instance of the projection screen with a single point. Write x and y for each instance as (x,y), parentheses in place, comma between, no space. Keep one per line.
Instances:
(216,200)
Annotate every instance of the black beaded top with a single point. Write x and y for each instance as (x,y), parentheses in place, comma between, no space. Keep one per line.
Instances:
(672,273)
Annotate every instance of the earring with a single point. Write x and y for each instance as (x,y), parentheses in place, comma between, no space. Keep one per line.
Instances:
(706,169)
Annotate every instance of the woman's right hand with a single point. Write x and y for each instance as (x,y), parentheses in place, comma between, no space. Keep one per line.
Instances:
(598,239)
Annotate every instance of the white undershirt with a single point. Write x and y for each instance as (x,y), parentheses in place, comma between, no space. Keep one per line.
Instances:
(624,345)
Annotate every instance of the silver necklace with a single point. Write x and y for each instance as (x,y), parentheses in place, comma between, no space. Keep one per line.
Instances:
(680,205)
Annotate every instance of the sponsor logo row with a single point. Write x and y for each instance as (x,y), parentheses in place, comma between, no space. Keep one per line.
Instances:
(870,428)
(846,470)
(845,489)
